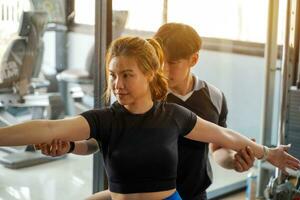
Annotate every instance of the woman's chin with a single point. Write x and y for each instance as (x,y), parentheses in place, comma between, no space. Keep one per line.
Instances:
(123,101)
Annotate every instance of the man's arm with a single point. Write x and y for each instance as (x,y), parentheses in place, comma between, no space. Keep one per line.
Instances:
(239,161)
(86,147)
(59,147)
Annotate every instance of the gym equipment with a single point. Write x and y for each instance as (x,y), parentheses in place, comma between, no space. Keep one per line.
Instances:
(21,89)
(293,122)
(277,190)
(284,191)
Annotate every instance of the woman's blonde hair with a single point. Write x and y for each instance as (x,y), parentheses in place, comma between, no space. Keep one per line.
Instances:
(149,57)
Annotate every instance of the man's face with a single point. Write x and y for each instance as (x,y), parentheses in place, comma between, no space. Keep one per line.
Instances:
(177,71)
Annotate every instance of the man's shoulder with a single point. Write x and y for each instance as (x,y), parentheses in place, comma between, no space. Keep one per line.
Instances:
(215,94)
(201,84)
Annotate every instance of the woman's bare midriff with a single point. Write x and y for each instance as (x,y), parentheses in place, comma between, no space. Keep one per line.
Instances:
(145,196)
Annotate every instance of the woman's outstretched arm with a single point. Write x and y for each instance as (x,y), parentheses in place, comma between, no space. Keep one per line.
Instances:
(44,131)
(208,132)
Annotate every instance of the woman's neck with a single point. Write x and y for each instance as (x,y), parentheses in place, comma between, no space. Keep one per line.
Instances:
(140,107)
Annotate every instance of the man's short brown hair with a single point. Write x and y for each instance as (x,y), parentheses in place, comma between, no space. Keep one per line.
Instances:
(178,40)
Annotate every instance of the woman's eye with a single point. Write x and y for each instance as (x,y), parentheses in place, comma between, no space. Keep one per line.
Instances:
(173,62)
(127,75)
(112,76)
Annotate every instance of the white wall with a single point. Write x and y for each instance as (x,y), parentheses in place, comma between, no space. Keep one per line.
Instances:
(241,78)
(78,47)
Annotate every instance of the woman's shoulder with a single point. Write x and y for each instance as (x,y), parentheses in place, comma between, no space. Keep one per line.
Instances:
(171,106)
(99,111)
(107,109)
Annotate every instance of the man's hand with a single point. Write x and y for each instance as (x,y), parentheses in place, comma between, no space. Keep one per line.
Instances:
(239,161)
(243,160)
(56,148)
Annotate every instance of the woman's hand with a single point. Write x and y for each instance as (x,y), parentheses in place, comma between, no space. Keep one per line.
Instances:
(56,148)
(280,158)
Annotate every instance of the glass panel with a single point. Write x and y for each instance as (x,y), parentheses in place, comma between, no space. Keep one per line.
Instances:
(233,19)
(142,15)
(38,47)
(84,12)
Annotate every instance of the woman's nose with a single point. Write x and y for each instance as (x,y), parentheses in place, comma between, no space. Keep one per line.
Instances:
(118,83)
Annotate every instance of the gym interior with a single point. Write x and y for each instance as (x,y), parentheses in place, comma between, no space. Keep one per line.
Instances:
(52,61)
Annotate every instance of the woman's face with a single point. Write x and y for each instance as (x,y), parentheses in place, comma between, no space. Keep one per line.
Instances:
(128,83)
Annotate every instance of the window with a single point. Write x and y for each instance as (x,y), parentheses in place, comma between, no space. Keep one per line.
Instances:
(84,12)
(142,15)
(232,19)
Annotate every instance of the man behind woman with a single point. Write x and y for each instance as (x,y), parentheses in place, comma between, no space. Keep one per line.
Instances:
(181,45)
(139,133)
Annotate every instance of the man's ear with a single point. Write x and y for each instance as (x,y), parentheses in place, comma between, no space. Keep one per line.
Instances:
(194,59)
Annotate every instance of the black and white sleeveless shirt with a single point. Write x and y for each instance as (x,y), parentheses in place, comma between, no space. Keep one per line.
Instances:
(194,171)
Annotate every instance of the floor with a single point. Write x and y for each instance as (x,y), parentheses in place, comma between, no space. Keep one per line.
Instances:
(67,179)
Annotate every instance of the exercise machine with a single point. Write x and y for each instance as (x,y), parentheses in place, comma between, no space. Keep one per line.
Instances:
(22,90)
(288,187)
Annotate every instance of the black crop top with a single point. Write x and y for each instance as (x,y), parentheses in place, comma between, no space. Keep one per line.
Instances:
(140,150)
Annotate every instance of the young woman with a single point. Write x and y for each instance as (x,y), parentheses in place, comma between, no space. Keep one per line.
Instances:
(138,134)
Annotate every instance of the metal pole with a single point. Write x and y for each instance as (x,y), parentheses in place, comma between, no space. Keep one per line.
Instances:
(283,88)
(165,12)
(103,36)
(270,70)
(297,29)
(298,76)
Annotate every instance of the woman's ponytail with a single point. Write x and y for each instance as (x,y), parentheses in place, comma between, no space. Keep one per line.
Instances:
(159,84)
